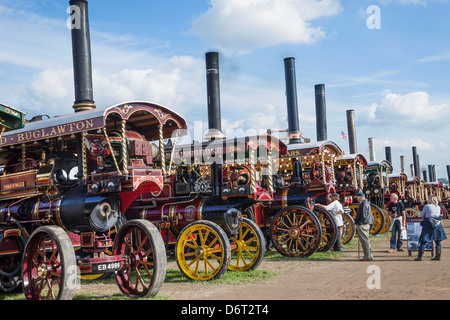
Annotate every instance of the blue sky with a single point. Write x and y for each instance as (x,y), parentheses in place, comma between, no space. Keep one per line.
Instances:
(394,77)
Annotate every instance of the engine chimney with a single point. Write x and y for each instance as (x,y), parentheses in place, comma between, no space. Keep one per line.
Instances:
(402,164)
(351,131)
(81,50)
(291,99)
(415,162)
(448,173)
(388,154)
(214,115)
(372,153)
(430,172)
(321,112)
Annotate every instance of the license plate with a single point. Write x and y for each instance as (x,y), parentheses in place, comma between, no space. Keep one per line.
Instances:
(106,267)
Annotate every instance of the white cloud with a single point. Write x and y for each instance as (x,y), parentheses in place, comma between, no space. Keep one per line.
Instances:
(238,27)
(52,89)
(409,110)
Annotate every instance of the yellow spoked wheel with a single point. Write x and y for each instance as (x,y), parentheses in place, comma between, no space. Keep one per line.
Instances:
(295,232)
(412,212)
(203,251)
(328,224)
(349,229)
(388,222)
(247,248)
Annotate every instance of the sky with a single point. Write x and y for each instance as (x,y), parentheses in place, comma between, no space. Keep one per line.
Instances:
(388,60)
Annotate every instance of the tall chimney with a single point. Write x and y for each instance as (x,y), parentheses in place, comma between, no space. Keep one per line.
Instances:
(81,51)
(321,112)
(402,164)
(435,179)
(291,99)
(213,96)
(448,173)
(372,153)
(412,170)
(388,154)
(416,165)
(430,172)
(351,131)
(424,172)
(214,115)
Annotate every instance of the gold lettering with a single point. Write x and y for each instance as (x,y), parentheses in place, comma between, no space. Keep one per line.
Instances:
(20,137)
(61,129)
(79,126)
(43,134)
(89,124)
(53,132)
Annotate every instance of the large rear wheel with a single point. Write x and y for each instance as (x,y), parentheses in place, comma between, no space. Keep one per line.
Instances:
(296,232)
(248,247)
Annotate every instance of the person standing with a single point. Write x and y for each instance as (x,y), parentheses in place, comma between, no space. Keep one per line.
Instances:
(397,211)
(337,210)
(364,222)
(432,229)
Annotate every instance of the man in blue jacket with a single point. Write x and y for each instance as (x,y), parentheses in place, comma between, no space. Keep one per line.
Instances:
(364,222)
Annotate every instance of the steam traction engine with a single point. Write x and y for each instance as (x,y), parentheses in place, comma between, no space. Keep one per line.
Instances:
(211,187)
(65,183)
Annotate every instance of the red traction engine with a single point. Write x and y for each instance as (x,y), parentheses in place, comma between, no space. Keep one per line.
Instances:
(65,183)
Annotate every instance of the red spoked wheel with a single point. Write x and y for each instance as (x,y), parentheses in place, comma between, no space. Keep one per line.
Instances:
(145,270)
(49,265)
(296,232)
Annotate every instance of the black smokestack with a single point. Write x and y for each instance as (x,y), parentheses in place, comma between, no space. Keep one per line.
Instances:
(430,172)
(448,173)
(291,99)
(402,164)
(415,163)
(81,50)
(435,178)
(214,115)
(321,112)
(424,172)
(388,154)
(351,131)
(213,92)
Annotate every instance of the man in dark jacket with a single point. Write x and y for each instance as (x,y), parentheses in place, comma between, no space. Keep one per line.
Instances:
(364,222)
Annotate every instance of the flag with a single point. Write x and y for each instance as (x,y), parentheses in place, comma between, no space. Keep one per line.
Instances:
(343,135)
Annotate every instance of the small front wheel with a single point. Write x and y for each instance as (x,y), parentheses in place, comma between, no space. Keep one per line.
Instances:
(49,265)
(145,270)
(203,251)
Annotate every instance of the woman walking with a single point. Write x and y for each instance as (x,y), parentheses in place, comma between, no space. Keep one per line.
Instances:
(432,229)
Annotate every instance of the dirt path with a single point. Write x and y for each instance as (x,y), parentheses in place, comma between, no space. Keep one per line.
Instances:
(391,276)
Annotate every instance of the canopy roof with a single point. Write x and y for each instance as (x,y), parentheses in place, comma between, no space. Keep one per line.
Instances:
(144,117)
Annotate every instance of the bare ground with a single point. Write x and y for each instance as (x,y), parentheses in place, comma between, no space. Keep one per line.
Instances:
(346,278)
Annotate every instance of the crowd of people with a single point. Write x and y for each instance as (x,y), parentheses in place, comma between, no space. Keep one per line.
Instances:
(432,230)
